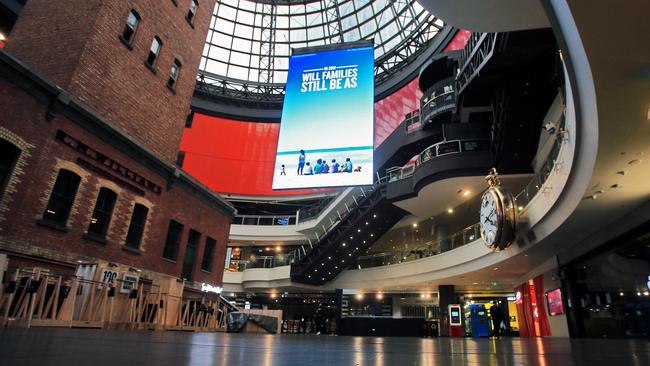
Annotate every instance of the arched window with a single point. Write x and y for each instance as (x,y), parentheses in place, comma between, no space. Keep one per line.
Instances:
(154,51)
(136,227)
(8,158)
(131,27)
(62,197)
(102,213)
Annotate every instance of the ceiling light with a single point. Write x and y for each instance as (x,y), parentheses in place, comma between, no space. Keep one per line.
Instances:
(622,294)
(450,210)
(415,224)
(308,276)
(422,296)
(359,296)
(495,268)
(375,216)
(380,296)
(371,235)
(366,222)
(635,161)
(343,244)
(520,208)
(466,193)
(329,257)
(622,172)
(274,295)
(349,254)
(358,230)
(475,283)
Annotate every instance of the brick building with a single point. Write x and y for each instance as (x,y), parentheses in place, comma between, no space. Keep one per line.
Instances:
(95,95)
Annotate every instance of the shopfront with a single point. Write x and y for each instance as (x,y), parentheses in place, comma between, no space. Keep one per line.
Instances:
(610,289)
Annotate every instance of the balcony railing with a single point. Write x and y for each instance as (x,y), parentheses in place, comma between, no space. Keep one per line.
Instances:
(471,233)
(439,98)
(435,150)
(264,220)
(412,122)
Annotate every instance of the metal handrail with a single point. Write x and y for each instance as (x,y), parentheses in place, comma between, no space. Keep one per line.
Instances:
(265,220)
(433,151)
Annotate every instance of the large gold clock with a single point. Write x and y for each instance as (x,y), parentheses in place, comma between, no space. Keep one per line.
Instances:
(497,215)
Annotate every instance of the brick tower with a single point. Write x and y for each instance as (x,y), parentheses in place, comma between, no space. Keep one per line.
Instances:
(100,51)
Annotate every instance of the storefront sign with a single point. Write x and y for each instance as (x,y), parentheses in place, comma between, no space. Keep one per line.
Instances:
(107,277)
(205,287)
(128,282)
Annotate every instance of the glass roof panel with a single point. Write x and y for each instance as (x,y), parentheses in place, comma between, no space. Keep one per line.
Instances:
(259,35)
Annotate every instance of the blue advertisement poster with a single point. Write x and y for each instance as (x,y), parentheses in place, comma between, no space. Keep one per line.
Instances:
(326,132)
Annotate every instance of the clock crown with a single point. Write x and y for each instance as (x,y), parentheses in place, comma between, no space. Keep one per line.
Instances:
(492,178)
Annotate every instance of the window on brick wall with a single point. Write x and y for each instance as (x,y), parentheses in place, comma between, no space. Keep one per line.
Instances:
(173,74)
(190,254)
(62,197)
(102,213)
(8,158)
(191,12)
(154,51)
(131,26)
(136,227)
(173,240)
(208,253)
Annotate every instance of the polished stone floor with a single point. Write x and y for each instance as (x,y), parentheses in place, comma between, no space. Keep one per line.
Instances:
(78,347)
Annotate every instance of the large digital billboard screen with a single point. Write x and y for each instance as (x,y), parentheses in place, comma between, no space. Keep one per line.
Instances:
(326,131)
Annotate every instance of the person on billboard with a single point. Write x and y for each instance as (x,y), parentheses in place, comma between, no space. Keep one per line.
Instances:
(318,168)
(335,166)
(301,161)
(309,171)
(325,168)
(348,165)
(282,172)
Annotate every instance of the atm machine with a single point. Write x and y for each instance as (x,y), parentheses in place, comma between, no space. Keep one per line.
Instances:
(455,321)
(478,320)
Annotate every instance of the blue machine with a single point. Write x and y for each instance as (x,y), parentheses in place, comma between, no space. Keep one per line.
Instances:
(478,319)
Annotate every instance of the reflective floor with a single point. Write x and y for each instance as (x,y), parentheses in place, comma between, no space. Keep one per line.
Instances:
(77,347)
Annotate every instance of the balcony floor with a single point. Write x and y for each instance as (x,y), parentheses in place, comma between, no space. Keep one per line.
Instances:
(43,346)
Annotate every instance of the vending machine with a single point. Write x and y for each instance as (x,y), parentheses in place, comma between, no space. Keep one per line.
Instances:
(455,321)
(479,320)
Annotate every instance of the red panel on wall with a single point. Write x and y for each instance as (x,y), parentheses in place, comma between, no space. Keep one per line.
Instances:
(232,156)
(237,157)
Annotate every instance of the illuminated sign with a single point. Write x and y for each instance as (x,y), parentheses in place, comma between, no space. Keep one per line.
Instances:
(205,287)
(326,131)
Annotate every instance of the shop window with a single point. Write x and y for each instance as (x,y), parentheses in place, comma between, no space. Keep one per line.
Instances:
(208,253)
(190,254)
(173,74)
(61,198)
(173,240)
(8,158)
(102,213)
(191,12)
(130,28)
(154,51)
(136,227)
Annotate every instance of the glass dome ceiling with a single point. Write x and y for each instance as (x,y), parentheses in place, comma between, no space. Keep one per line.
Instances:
(249,42)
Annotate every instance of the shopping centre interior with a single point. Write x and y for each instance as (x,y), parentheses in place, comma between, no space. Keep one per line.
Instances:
(139,156)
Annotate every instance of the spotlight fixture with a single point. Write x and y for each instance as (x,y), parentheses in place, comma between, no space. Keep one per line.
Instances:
(415,224)
(450,210)
(380,296)
(466,193)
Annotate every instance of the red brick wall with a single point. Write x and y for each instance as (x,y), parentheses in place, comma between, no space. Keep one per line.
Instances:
(76,44)
(22,121)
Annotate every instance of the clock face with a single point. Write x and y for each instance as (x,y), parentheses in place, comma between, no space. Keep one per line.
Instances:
(488,216)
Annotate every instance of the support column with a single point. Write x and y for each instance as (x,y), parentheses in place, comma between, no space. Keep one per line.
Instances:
(446,296)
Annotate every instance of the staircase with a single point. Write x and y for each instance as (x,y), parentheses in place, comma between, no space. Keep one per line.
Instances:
(357,230)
